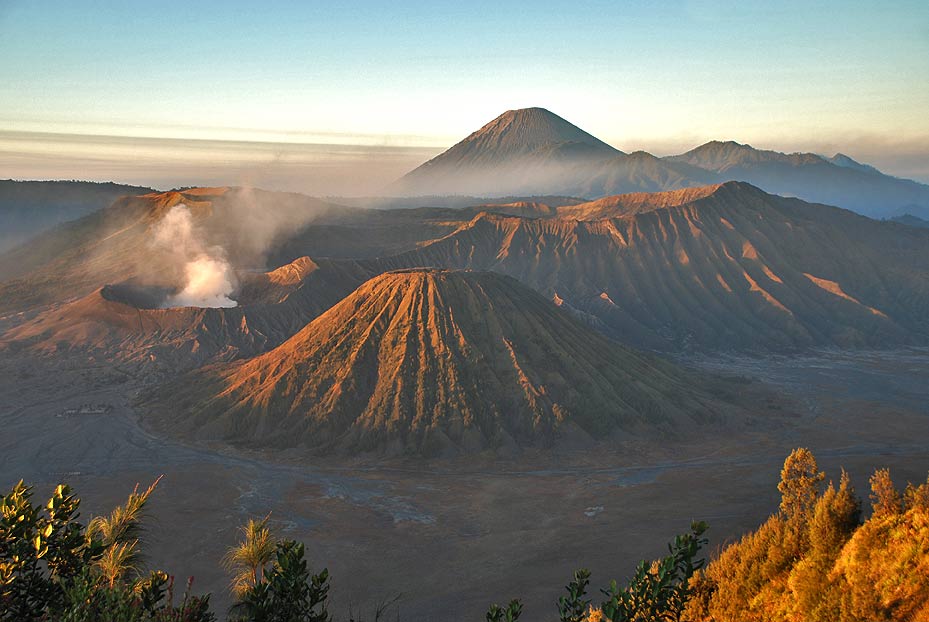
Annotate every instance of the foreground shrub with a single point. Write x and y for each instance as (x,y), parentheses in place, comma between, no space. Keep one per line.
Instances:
(41,550)
(814,561)
(53,568)
(657,592)
(92,600)
(288,592)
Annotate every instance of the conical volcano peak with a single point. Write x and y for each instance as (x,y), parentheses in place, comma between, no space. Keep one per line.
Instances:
(425,361)
(526,149)
(527,132)
(527,129)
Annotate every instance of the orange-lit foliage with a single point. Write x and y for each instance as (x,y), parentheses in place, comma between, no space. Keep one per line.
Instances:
(814,562)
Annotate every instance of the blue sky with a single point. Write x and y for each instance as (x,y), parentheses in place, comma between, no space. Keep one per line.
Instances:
(663,76)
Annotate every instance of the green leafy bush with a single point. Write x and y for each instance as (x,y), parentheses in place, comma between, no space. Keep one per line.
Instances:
(288,592)
(510,613)
(41,550)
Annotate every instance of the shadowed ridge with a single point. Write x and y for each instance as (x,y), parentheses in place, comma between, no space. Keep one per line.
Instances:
(275,286)
(840,159)
(624,205)
(716,154)
(720,156)
(426,361)
(634,203)
(292,273)
(532,209)
(33,208)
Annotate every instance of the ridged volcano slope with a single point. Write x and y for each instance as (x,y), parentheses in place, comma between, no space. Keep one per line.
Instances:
(728,267)
(424,361)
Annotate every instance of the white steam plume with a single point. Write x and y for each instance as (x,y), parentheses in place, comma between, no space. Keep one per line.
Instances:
(209,280)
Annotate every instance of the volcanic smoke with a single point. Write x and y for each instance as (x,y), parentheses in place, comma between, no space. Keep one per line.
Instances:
(209,280)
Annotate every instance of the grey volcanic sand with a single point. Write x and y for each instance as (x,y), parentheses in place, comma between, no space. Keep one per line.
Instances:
(452,537)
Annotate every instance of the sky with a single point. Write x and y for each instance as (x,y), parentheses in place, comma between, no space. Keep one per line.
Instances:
(413,78)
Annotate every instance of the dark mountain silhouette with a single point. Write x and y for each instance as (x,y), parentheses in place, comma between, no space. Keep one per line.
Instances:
(912,221)
(840,159)
(834,181)
(28,208)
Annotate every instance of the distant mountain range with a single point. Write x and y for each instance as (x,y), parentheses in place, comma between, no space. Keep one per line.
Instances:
(909,219)
(30,207)
(533,151)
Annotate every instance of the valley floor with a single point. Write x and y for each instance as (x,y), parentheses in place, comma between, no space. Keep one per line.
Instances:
(448,537)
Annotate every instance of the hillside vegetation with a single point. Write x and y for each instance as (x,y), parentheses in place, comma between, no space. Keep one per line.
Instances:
(813,560)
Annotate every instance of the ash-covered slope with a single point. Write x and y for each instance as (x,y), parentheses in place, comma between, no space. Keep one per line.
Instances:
(633,203)
(726,267)
(839,180)
(533,151)
(128,323)
(427,361)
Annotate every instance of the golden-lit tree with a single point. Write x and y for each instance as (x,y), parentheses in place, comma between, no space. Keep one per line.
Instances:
(815,596)
(815,562)
(884,496)
(120,532)
(799,486)
(248,559)
(916,496)
(884,569)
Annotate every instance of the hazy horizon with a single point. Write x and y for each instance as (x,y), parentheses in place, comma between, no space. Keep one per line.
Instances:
(316,168)
(164,163)
(412,80)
